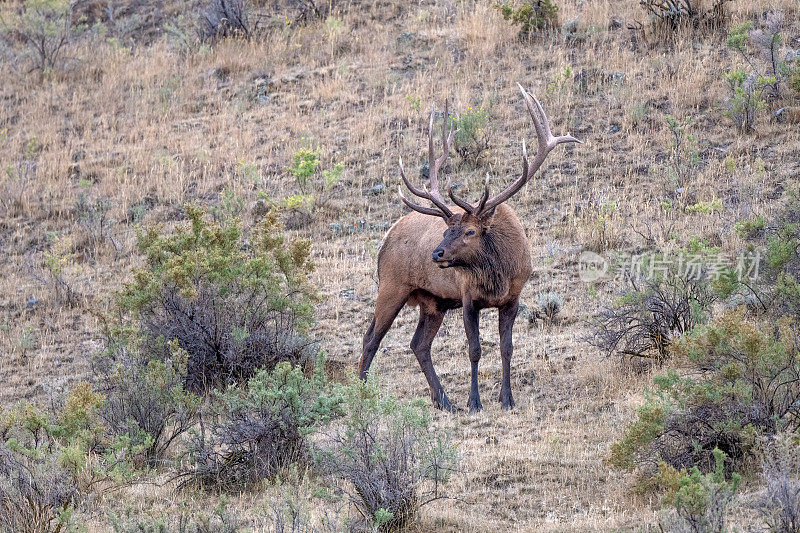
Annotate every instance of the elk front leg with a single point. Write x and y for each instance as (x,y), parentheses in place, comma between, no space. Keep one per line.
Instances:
(474,340)
(507,315)
(429,322)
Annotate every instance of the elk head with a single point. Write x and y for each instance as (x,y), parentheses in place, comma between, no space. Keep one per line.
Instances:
(464,238)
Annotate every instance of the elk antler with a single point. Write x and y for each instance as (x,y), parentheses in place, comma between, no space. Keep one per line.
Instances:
(434,165)
(546,143)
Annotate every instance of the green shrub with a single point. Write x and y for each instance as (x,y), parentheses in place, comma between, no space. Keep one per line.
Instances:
(761,48)
(550,305)
(221,519)
(51,458)
(684,152)
(256,433)
(777,288)
(304,165)
(472,137)
(36,493)
(385,456)
(746,97)
(531,16)
(146,406)
(701,500)
(233,304)
(704,208)
(750,228)
(317,190)
(45,26)
(794,76)
(738,381)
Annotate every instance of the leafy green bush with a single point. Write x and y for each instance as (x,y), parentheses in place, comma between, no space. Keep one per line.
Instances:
(304,165)
(472,135)
(50,458)
(750,228)
(385,456)
(317,188)
(739,380)
(762,50)
(146,406)
(531,16)
(45,26)
(36,493)
(701,500)
(220,520)
(746,97)
(777,286)
(234,305)
(550,305)
(256,433)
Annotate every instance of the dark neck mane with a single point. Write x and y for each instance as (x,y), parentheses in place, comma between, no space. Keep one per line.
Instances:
(496,264)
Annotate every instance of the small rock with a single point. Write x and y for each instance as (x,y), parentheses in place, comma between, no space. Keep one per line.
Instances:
(262,90)
(491,440)
(31,301)
(348,294)
(789,114)
(376,189)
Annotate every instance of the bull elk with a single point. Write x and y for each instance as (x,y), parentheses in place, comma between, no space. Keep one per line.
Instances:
(483,261)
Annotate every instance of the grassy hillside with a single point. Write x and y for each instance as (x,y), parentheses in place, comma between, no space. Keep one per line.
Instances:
(139,117)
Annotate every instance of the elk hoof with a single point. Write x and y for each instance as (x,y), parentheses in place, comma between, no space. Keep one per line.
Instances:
(507,401)
(475,405)
(444,404)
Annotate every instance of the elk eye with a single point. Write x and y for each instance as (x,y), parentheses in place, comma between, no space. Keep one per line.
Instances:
(470,232)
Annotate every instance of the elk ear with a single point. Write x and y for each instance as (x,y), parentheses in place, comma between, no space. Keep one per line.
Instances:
(487,218)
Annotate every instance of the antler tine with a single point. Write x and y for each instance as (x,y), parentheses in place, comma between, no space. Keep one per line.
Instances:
(435,164)
(422,193)
(546,143)
(460,202)
(485,196)
(414,190)
(540,120)
(433,173)
(417,207)
(555,141)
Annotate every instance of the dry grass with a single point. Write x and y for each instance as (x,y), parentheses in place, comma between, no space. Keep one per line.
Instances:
(150,128)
